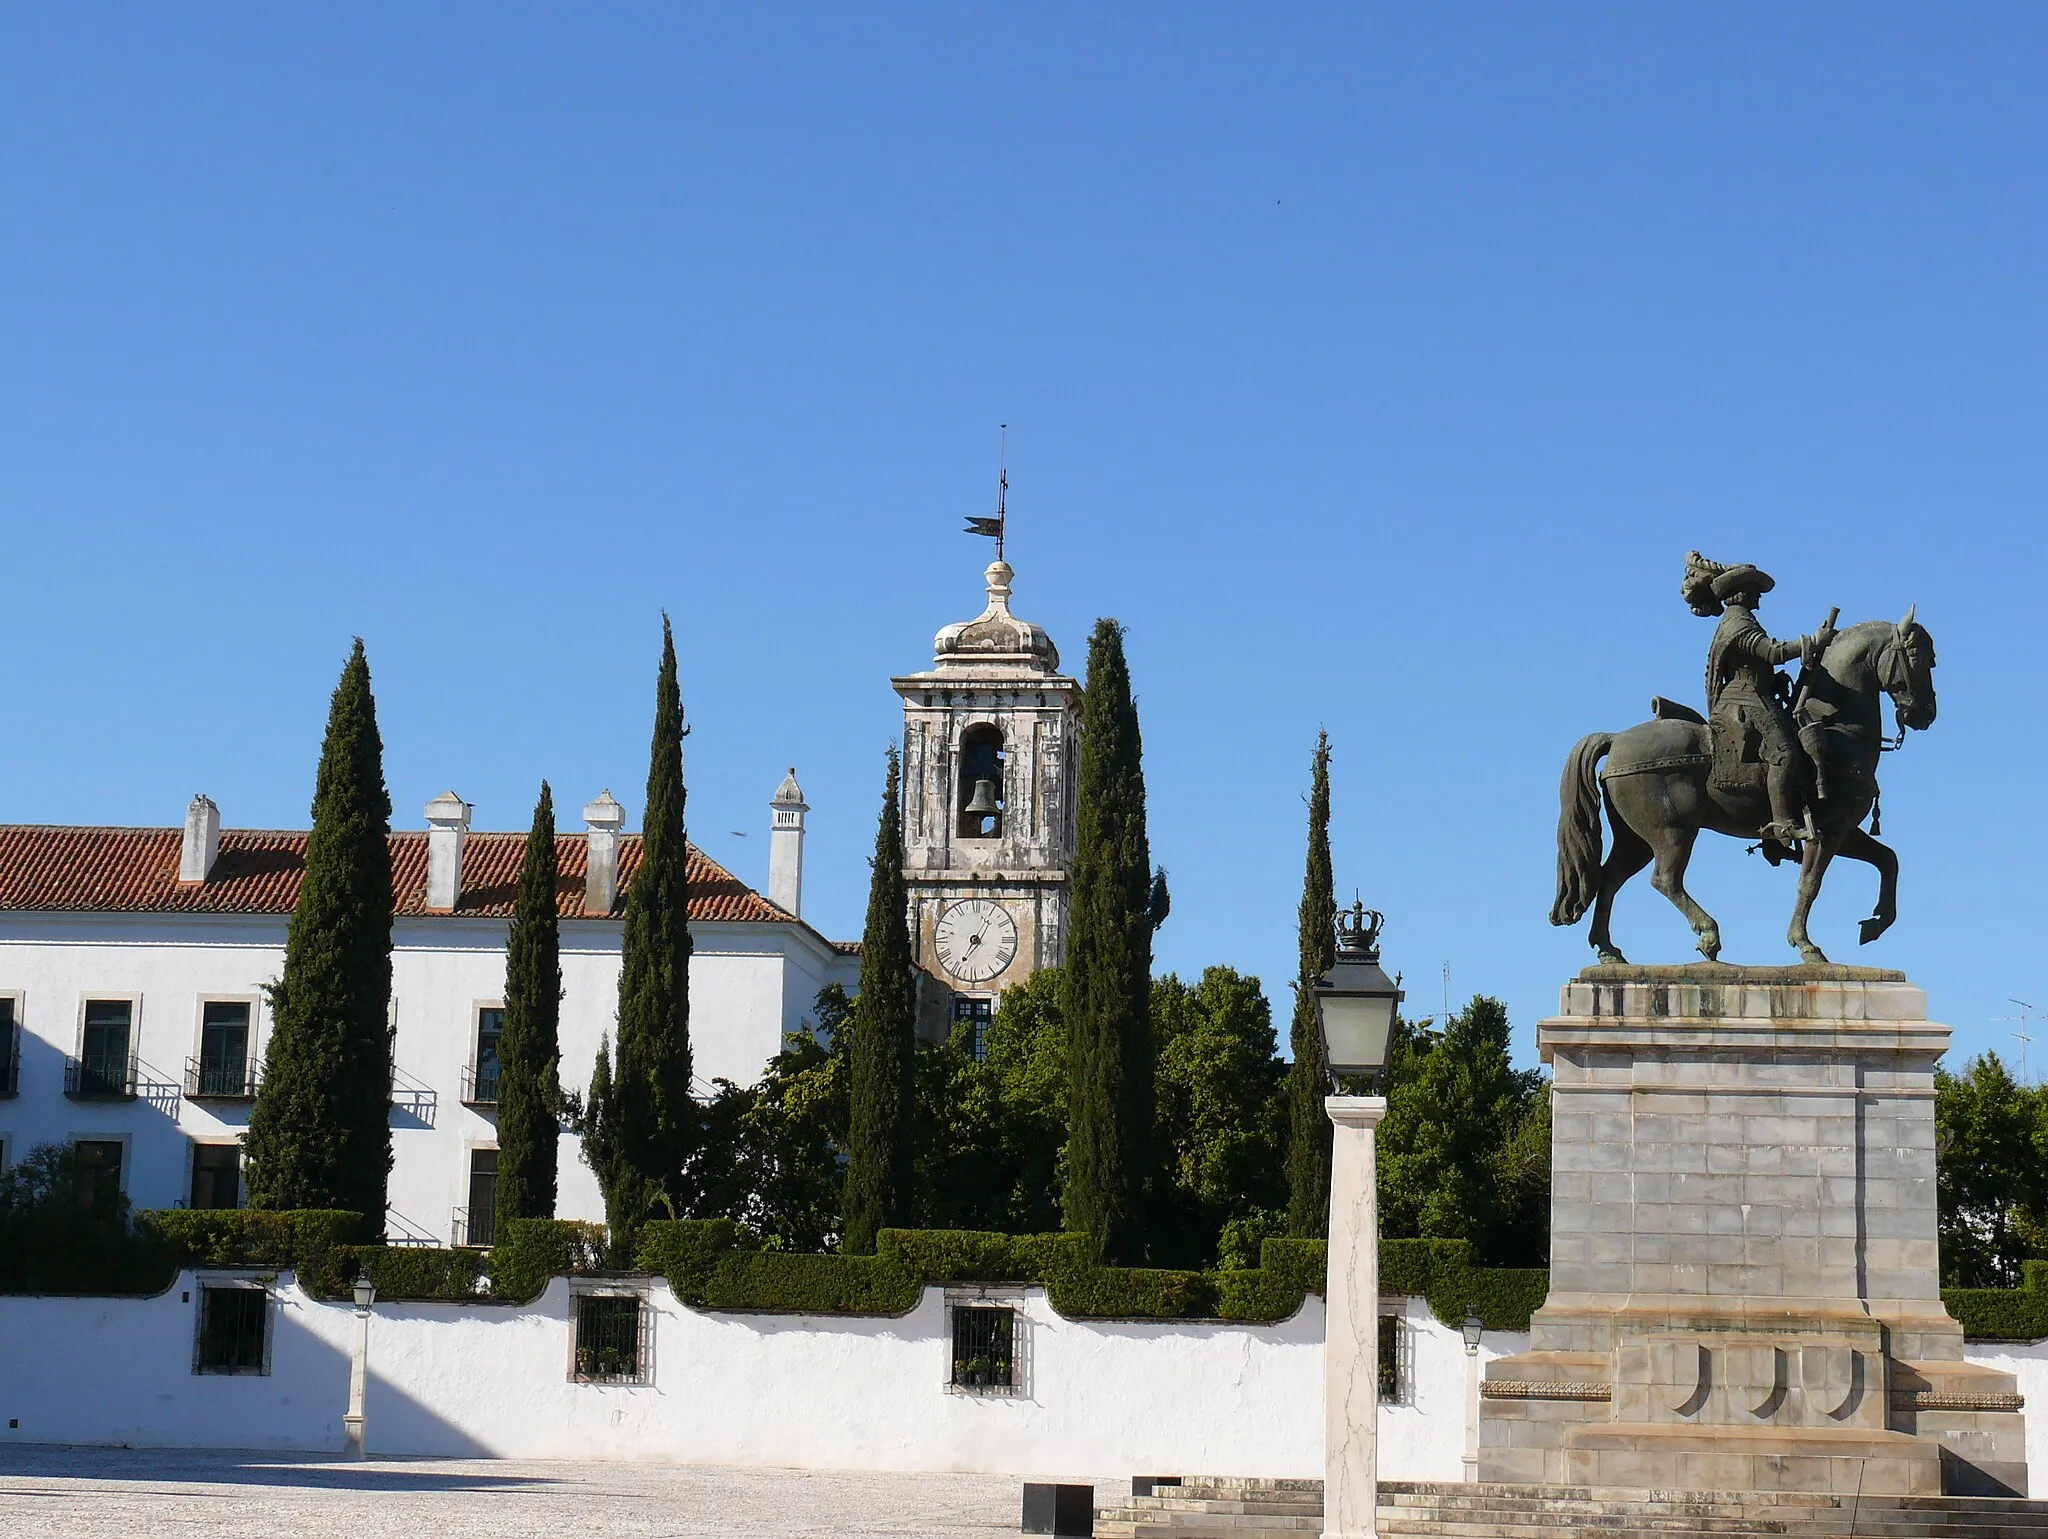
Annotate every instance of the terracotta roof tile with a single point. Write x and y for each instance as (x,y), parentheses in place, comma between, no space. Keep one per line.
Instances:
(135,870)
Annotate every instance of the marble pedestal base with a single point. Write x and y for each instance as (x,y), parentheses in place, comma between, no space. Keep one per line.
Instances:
(1743,1288)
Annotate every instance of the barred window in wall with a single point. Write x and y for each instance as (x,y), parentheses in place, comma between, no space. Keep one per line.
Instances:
(611,1339)
(1393,1367)
(234,1321)
(984,1347)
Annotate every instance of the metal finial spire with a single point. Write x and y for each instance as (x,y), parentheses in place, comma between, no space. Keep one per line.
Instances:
(993,527)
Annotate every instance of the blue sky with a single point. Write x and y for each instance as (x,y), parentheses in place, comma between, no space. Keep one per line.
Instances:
(1375,365)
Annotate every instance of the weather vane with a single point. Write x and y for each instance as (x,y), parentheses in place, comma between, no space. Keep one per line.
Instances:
(993,527)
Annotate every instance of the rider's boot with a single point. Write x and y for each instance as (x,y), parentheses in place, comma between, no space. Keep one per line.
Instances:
(1784,826)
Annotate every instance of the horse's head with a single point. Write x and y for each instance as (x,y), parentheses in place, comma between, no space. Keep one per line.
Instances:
(1906,670)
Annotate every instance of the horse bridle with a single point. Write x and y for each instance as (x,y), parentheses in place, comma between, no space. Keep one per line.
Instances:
(1895,678)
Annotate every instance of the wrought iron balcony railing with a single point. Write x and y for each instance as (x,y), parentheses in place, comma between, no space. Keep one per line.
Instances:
(218,1080)
(480,1085)
(476,1226)
(101,1077)
(10,1066)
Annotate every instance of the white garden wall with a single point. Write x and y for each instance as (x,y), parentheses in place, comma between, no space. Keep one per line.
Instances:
(802,1391)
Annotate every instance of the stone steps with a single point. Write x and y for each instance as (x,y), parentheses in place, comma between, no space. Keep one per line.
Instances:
(1211,1508)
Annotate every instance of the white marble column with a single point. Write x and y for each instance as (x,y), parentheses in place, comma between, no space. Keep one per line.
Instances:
(1351,1338)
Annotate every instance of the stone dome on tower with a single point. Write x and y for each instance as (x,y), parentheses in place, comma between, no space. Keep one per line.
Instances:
(996,639)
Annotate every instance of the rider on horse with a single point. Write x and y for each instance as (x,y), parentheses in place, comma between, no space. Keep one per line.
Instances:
(1743,689)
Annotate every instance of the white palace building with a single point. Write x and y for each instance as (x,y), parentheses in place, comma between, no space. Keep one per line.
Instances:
(133,961)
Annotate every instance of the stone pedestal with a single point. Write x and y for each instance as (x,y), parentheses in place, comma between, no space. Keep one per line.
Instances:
(1743,1289)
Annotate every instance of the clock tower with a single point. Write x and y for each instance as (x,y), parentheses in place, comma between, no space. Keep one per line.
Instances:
(991,743)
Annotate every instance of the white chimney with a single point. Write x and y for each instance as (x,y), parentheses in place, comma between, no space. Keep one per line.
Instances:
(447,828)
(202,840)
(786,846)
(604,818)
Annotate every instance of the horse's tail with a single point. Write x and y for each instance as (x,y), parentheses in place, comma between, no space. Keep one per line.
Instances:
(1578,830)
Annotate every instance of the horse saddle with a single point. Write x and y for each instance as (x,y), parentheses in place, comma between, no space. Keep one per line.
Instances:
(1731,743)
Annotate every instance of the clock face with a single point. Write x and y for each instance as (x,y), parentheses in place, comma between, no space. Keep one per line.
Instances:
(976,940)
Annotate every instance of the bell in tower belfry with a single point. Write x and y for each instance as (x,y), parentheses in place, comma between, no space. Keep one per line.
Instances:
(983,805)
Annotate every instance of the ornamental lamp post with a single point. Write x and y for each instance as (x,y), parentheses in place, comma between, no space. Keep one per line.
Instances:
(1473,1329)
(358,1368)
(1355,1005)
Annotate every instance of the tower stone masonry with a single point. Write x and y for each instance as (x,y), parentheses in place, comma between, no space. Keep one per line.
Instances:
(990,764)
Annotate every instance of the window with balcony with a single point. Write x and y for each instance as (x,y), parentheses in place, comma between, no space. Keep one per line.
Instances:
(234,1329)
(477,1224)
(611,1339)
(224,1070)
(104,1069)
(482,1088)
(216,1175)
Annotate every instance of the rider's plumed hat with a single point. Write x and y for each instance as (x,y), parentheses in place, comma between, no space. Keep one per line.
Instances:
(1742,579)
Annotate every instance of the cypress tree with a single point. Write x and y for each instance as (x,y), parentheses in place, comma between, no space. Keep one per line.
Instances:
(1308,1136)
(1117,904)
(320,1131)
(654,1116)
(880,1132)
(529,1052)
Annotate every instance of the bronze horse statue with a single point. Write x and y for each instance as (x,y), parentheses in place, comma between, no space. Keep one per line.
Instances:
(1659,791)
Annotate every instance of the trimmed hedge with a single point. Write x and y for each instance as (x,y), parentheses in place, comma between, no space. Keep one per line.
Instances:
(2004,1314)
(709,1267)
(305,1240)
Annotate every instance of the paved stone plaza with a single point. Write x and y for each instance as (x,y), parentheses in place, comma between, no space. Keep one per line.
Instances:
(71,1493)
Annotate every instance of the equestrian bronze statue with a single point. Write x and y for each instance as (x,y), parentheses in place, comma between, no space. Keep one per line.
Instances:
(1792,766)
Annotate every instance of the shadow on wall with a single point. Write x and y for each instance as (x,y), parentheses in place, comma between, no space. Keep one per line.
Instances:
(211,1467)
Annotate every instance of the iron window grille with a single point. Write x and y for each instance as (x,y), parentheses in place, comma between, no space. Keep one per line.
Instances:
(234,1329)
(985,1348)
(98,1172)
(1396,1365)
(612,1339)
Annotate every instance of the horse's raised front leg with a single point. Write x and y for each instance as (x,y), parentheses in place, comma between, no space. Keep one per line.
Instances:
(1858,845)
(1629,855)
(1813,866)
(1673,849)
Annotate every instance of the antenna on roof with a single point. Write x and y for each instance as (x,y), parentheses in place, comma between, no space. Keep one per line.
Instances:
(993,527)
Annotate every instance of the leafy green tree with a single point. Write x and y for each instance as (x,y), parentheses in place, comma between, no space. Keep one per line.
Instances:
(993,1132)
(1453,1103)
(772,1154)
(649,1118)
(1219,1133)
(1117,903)
(1308,1125)
(529,1052)
(64,1229)
(1521,1178)
(881,1137)
(1991,1182)
(320,1131)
